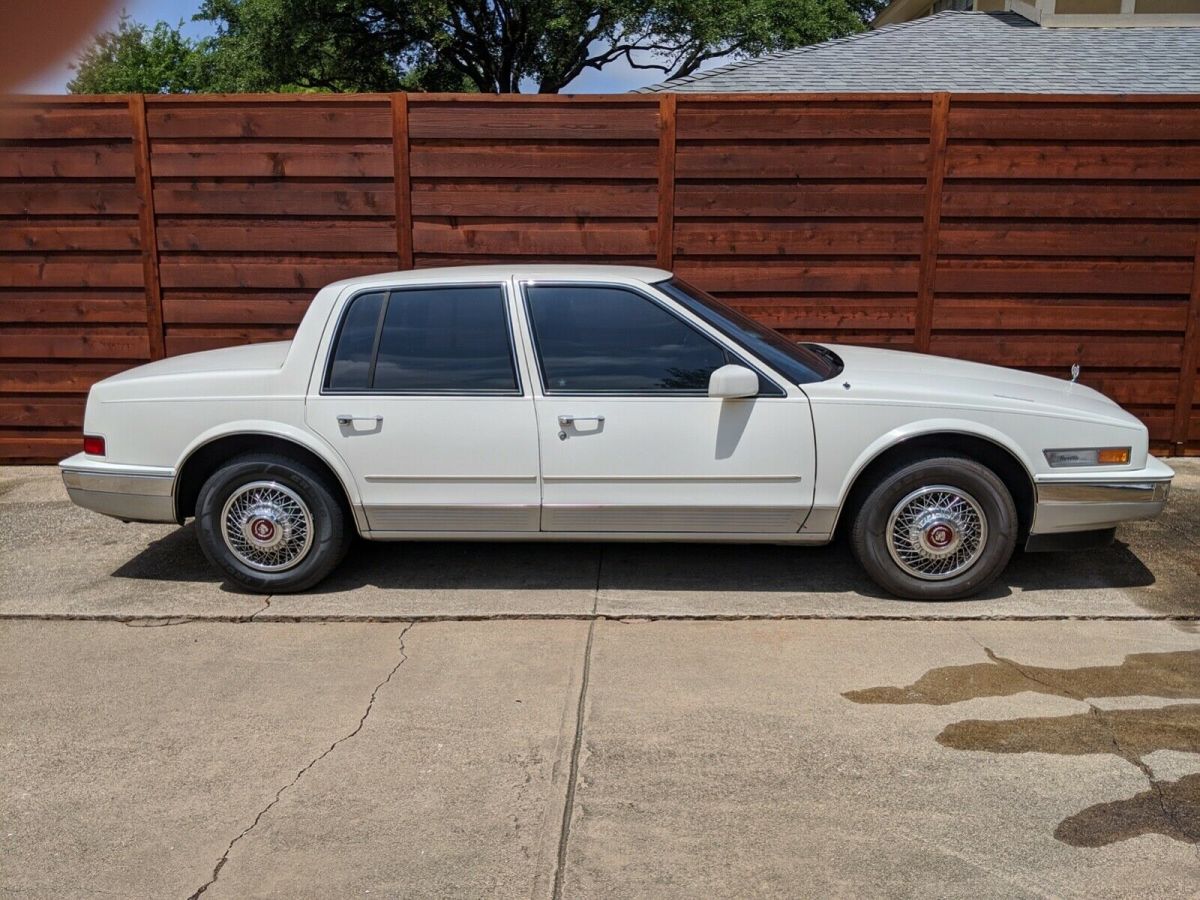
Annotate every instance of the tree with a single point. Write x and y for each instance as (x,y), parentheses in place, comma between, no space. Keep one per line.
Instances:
(138,59)
(492,46)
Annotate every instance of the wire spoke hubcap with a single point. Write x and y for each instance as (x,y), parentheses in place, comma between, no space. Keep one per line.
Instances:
(936,532)
(267,526)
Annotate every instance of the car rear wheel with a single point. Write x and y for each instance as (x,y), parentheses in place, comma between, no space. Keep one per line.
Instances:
(271,523)
(936,529)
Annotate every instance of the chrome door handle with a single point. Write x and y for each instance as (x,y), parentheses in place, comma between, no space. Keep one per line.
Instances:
(564,421)
(350,420)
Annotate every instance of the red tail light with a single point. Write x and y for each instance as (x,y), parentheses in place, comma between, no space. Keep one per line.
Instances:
(93,445)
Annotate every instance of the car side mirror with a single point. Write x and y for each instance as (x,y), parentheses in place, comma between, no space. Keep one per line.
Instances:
(732,381)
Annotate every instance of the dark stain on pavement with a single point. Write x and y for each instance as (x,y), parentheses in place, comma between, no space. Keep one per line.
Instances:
(1170,808)
(1107,823)
(1173,675)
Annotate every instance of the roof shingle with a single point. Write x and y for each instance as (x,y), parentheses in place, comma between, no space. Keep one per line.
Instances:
(969,52)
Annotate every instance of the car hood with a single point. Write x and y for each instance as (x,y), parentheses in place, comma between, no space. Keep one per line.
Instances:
(248,357)
(938,380)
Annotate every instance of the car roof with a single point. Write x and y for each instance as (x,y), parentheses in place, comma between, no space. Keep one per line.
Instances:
(559,272)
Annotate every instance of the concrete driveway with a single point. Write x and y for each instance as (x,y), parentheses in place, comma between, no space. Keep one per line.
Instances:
(585,720)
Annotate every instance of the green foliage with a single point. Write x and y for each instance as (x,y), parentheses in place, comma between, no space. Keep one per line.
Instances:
(138,59)
(495,46)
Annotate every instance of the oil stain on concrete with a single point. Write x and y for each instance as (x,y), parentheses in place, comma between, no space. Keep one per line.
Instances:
(1170,808)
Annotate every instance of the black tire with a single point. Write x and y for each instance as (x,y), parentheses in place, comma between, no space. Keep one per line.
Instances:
(329,533)
(871,542)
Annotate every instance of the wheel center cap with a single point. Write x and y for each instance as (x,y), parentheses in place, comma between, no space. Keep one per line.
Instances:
(938,536)
(265,528)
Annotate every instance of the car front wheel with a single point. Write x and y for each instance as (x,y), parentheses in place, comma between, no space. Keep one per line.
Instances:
(936,529)
(271,523)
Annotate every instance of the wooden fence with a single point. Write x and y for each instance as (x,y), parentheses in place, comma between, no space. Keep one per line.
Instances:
(1028,231)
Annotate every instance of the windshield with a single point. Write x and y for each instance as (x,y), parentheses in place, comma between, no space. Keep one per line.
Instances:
(801,363)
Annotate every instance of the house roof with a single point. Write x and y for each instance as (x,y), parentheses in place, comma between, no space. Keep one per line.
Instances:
(971,52)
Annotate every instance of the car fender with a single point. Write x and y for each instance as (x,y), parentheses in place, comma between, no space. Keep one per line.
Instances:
(286,432)
(909,430)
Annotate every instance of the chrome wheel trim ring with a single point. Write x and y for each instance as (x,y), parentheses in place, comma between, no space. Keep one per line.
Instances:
(936,532)
(267,526)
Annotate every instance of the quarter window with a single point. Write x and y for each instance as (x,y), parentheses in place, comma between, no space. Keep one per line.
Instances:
(351,366)
(597,339)
(426,341)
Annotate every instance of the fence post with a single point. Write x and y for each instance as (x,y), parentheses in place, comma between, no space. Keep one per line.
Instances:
(666,181)
(939,116)
(1190,359)
(403,181)
(147,229)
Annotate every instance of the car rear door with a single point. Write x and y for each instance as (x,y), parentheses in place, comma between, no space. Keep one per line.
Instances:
(630,439)
(421,393)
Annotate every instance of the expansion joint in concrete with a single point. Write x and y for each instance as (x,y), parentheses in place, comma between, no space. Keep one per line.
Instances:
(564,835)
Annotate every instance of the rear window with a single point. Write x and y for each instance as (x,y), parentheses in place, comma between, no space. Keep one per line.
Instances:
(452,339)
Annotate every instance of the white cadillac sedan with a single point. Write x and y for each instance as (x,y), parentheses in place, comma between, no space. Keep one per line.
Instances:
(602,403)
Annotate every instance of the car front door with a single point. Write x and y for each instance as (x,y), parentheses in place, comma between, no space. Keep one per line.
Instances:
(420,393)
(630,439)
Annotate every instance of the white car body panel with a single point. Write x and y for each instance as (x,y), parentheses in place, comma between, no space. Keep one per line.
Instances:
(663,468)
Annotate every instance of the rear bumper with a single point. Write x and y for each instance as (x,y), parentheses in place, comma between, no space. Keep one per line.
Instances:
(1094,502)
(129,493)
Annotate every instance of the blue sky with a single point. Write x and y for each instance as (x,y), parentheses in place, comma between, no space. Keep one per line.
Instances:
(615,78)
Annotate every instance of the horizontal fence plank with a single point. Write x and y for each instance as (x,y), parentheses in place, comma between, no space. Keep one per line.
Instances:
(1080,200)
(259,199)
(534,200)
(533,238)
(1054,277)
(800,276)
(1058,121)
(574,119)
(78,307)
(808,161)
(43,235)
(799,200)
(796,237)
(108,160)
(277,119)
(236,272)
(1060,351)
(292,162)
(92,343)
(50,199)
(1043,314)
(699,120)
(88,120)
(1053,161)
(1067,238)
(599,161)
(315,236)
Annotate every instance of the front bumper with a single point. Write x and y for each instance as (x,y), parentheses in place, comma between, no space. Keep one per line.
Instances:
(129,493)
(1095,501)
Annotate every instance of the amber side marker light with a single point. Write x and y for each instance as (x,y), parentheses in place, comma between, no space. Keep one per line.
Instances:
(93,445)
(1088,456)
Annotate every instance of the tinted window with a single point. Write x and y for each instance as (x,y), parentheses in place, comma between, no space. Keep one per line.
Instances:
(351,366)
(445,339)
(803,364)
(612,339)
(425,340)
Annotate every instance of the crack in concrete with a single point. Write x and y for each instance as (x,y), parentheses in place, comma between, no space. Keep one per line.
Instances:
(266,606)
(216,872)
(564,834)
(1132,758)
